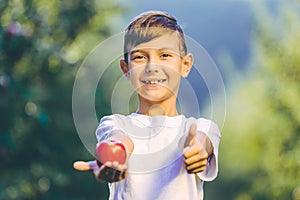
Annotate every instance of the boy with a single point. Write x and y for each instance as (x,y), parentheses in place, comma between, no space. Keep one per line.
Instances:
(169,156)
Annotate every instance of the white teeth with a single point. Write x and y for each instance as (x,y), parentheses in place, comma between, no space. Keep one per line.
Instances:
(154,81)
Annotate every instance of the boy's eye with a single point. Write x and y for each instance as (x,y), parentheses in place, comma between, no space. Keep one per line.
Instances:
(165,55)
(138,57)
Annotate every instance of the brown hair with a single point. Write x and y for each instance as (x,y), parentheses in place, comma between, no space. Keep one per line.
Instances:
(150,25)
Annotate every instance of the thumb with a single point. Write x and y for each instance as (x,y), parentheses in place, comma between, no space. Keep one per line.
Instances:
(84,166)
(191,136)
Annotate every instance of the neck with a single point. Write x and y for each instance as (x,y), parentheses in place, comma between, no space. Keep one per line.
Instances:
(151,108)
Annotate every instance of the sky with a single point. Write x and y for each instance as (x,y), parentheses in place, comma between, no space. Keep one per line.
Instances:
(217,25)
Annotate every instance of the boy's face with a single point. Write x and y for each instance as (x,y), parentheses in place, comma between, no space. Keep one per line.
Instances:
(155,67)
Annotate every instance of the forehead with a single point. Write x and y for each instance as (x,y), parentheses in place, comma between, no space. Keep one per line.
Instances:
(168,41)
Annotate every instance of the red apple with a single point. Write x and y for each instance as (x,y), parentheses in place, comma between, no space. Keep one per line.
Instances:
(111,150)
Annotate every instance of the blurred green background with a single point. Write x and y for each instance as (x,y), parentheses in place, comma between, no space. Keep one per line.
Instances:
(43,43)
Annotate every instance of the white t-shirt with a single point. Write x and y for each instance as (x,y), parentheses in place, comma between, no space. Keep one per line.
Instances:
(156,169)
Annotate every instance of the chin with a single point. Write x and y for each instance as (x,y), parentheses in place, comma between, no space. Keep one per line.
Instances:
(156,99)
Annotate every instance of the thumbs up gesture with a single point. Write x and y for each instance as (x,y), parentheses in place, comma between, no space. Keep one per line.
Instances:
(198,149)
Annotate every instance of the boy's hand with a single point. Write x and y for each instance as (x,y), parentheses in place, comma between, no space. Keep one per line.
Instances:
(110,171)
(107,172)
(198,151)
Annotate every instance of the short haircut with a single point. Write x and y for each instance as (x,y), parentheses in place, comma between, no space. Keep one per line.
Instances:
(150,25)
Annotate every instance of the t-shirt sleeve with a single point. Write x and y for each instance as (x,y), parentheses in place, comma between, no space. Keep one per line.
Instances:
(213,132)
(105,127)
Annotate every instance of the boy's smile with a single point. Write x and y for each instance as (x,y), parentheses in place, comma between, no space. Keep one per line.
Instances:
(155,69)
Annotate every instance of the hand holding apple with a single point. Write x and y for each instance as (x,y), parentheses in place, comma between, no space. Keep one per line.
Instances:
(109,165)
(111,158)
(111,151)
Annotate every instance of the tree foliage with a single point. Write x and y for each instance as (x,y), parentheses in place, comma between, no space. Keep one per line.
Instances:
(260,150)
(42,44)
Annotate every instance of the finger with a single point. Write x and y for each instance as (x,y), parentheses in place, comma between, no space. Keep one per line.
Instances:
(193,150)
(84,166)
(122,167)
(107,164)
(115,164)
(192,159)
(193,154)
(194,171)
(196,166)
(191,136)
(196,148)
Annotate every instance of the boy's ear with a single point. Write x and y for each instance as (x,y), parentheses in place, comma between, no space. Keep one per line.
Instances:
(187,63)
(125,68)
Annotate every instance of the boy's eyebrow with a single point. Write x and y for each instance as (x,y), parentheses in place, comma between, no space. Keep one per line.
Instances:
(136,51)
(159,49)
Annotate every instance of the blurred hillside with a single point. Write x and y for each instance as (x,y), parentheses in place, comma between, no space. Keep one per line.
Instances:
(260,148)
(42,44)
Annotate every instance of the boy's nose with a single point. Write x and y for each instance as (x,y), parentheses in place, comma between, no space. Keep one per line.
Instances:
(152,65)
(152,68)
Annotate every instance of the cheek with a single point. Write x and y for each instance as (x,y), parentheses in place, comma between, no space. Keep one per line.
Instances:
(136,69)
(173,72)
(134,77)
